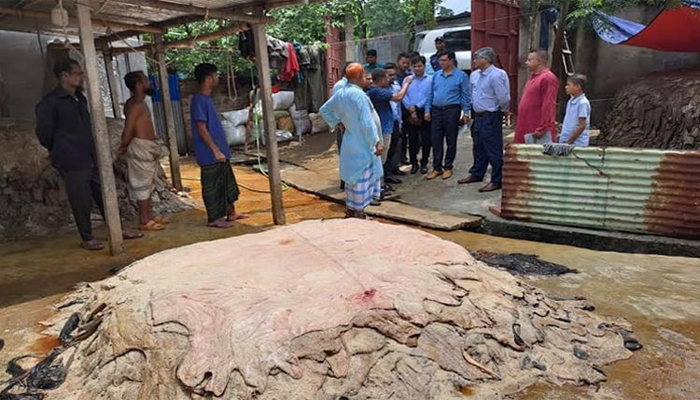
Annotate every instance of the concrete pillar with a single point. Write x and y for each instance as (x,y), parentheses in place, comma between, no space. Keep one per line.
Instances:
(350,51)
(273,163)
(168,112)
(100,132)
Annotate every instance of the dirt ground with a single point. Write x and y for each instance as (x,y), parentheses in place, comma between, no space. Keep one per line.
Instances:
(658,295)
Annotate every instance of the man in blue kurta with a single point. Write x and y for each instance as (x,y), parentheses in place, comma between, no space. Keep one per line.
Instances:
(360,163)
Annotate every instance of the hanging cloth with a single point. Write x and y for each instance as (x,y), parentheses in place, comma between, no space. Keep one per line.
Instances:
(291,68)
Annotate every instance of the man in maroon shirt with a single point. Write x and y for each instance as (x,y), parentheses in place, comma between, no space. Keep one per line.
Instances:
(537,107)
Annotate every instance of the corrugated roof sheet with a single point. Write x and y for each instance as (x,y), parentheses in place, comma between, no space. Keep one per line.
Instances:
(632,190)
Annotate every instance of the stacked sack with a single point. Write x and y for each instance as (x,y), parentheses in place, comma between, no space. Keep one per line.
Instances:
(289,120)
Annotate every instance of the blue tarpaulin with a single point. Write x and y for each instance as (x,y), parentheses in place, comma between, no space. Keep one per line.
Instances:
(673,29)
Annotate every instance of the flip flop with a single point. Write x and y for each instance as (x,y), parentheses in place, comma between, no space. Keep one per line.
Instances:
(161,220)
(152,225)
(92,245)
(127,235)
(237,217)
(220,224)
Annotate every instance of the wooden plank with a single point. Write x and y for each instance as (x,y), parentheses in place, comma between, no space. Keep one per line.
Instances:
(44,16)
(112,81)
(315,183)
(100,132)
(205,12)
(423,217)
(273,162)
(175,175)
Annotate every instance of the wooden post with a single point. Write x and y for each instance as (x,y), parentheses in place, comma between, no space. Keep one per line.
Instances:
(112,81)
(99,131)
(168,112)
(273,163)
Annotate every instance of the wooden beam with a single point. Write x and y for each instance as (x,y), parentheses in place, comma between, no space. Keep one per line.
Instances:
(117,36)
(72,21)
(201,11)
(186,43)
(168,112)
(99,131)
(273,163)
(189,42)
(113,84)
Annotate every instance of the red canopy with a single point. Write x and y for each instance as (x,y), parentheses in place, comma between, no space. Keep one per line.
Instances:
(673,29)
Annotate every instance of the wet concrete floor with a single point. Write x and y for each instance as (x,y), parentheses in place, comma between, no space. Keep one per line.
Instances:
(659,295)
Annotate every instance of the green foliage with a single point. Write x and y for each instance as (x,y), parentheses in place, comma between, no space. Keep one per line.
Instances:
(184,60)
(305,24)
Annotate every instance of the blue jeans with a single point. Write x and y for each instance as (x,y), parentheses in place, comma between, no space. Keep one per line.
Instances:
(487,133)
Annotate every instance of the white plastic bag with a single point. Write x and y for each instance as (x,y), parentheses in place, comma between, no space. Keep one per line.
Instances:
(235,135)
(282,100)
(318,124)
(302,124)
(238,117)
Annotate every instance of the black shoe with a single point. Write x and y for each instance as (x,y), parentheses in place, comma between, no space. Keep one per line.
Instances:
(399,172)
(424,169)
(375,202)
(388,188)
(414,169)
(391,179)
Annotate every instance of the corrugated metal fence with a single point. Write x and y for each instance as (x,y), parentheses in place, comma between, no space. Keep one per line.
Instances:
(159,113)
(618,189)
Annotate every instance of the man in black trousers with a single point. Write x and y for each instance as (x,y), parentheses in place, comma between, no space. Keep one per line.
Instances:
(63,127)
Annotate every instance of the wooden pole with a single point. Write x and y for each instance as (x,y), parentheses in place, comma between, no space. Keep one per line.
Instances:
(273,163)
(112,81)
(169,117)
(557,60)
(99,130)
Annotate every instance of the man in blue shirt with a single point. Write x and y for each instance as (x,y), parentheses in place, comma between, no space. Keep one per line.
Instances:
(417,128)
(219,187)
(371,61)
(381,95)
(491,99)
(448,102)
(435,58)
(440,47)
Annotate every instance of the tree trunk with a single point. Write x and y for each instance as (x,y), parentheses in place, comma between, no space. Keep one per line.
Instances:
(557,59)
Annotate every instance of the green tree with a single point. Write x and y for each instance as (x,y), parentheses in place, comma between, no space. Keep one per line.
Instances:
(221,52)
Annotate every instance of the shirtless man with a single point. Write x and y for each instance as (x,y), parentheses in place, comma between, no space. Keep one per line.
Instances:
(142,149)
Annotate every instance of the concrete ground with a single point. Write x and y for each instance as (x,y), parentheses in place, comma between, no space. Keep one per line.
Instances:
(318,153)
(316,160)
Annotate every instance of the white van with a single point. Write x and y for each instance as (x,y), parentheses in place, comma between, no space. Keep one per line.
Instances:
(457,39)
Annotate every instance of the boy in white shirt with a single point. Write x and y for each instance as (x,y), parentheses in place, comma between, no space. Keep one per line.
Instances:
(577,120)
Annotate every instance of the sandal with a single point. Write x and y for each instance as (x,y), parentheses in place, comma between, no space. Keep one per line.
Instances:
(127,235)
(220,224)
(160,220)
(236,217)
(92,245)
(152,225)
